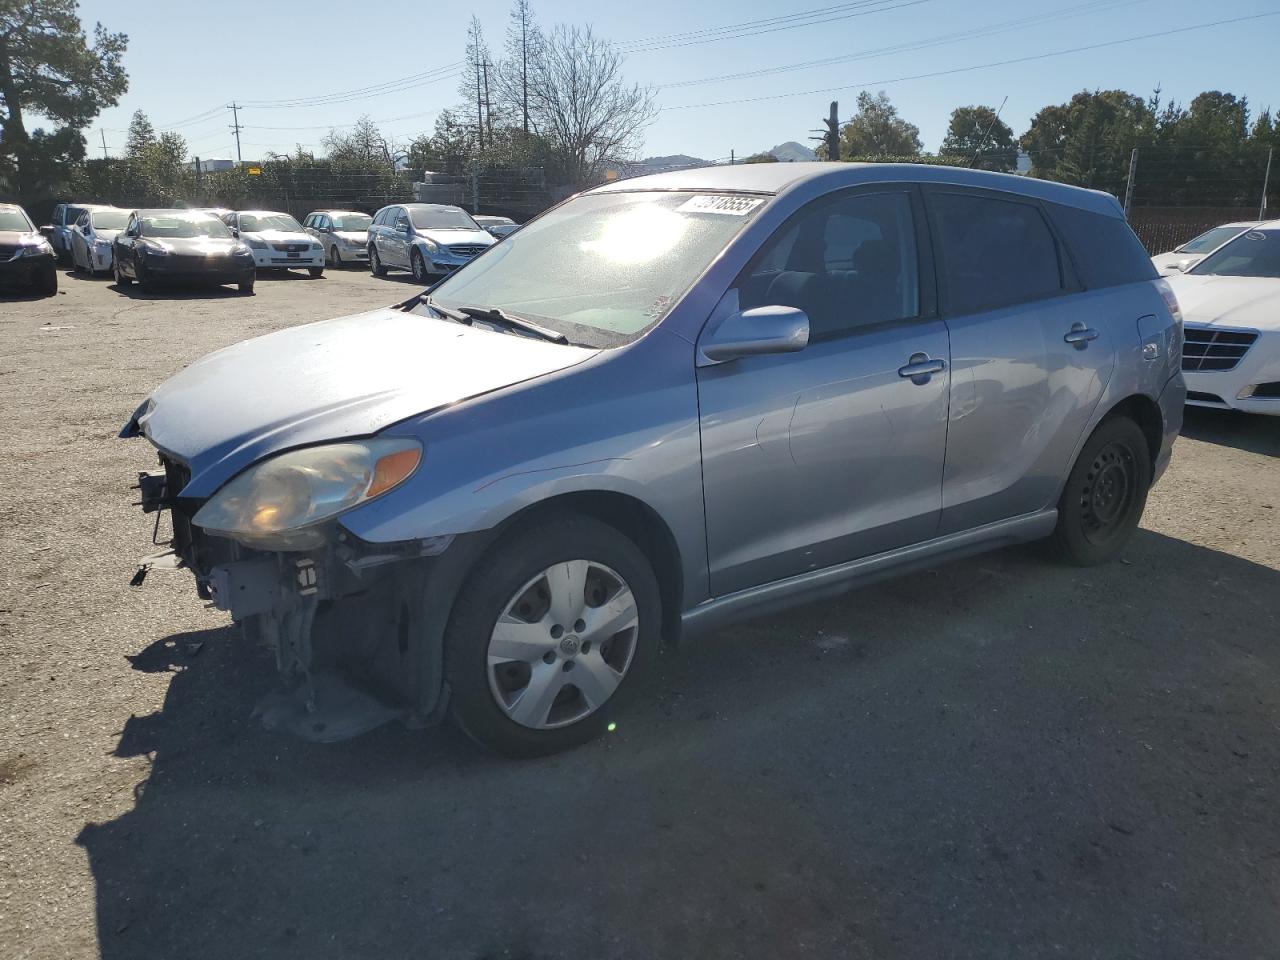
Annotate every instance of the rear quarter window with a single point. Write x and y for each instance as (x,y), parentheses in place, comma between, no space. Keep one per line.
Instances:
(1104,249)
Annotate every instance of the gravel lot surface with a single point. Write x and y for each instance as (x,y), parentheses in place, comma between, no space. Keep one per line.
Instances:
(998,758)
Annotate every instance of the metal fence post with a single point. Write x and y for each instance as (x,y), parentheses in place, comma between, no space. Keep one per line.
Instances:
(475,189)
(1266,180)
(1128,188)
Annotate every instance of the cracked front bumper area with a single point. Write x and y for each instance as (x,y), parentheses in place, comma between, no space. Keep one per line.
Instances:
(355,628)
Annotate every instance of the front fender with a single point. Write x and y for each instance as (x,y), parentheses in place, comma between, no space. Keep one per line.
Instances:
(624,422)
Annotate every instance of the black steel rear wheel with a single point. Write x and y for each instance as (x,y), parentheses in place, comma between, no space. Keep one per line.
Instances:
(1105,494)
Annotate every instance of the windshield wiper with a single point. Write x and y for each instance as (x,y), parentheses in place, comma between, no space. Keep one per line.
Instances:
(494,315)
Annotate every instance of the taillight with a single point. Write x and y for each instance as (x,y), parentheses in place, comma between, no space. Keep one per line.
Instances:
(1170,299)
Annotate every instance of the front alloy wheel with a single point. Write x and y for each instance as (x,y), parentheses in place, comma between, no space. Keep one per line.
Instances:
(419,268)
(549,634)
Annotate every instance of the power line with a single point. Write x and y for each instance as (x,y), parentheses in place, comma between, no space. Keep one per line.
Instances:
(971,68)
(413,81)
(1095,6)
(863,9)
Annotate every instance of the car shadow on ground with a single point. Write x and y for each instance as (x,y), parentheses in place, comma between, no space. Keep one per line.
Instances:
(1000,757)
(176,291)
(1230,428)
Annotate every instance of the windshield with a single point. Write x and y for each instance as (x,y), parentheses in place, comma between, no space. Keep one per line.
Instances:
(15,220)
(257,222)
(180,227)
(109,219)
(1209,240)
(355,222)
(442,218)
(1252,254)
(603,268)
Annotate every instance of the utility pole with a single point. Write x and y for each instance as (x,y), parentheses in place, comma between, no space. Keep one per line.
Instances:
(731,158)
(235,114)
(1266,181)
(199,180)
(106,156)
(479,104)
(524,69)
(1128,187)
(831,133)
(488,107)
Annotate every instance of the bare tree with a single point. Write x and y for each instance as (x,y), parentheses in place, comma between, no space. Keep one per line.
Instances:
(584,108)
(474,87)
(523,52)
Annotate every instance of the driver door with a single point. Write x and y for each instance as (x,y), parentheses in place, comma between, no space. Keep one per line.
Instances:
(835,452)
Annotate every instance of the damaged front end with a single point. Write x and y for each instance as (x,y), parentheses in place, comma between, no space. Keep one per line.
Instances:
(356,628)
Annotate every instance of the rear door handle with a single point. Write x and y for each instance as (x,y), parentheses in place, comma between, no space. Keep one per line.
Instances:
(1079,335)
(921,367)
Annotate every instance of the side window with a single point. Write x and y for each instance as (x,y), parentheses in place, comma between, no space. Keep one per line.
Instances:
(1105,250)
(322,223)
(994,253)
(847,262)
(58,213)
(83,222)
(402,219)
(131,229)
(381,219)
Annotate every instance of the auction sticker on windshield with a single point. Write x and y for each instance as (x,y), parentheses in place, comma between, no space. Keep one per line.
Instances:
(731,206)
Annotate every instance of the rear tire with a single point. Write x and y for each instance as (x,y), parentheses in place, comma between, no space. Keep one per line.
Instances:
(375,263)
(1105,494)
(563,566)
(46,282)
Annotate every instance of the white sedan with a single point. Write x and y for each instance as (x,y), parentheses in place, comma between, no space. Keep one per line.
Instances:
(277,240)
(1231,308)
(91,238)
(1183,258)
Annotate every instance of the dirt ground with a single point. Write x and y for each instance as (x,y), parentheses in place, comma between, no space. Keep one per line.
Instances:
(998,758)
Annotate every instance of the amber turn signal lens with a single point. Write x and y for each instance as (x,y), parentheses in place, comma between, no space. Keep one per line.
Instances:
(392,469)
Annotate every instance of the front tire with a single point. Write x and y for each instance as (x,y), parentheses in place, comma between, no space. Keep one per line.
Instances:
(551,633)
(315,273)
(121,279)
(46,283)
(1105,495)
(375,263)
(335,257)
(246,285)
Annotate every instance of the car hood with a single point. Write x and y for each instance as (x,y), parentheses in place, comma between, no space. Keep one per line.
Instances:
(352,236)
(106,234)
(329,381)
(1252,302)
(194,246)
(11,237)
(277,236)
(447,238)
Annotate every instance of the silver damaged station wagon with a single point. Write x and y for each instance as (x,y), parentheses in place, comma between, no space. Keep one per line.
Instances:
(666,403)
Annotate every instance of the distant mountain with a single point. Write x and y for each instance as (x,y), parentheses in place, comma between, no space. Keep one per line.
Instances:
(792,151)
(675,161)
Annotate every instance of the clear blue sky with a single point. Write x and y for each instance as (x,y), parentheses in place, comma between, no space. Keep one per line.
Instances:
(185,59)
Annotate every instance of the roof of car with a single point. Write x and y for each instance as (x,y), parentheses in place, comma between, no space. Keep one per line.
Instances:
(264,213)
(776,178)
(427,206)
(11,206)
(358,213)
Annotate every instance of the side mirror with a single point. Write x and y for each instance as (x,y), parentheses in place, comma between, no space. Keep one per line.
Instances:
(753,333)
(1184,265)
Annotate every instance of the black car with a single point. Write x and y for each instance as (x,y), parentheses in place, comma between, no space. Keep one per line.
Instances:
(180,245)
(26,259)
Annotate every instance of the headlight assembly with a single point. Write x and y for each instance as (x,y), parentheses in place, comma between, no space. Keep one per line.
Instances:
(429,245)
(258,244)
(278,504)
(39,248)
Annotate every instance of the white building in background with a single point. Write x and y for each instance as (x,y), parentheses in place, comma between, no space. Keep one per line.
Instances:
(212,164)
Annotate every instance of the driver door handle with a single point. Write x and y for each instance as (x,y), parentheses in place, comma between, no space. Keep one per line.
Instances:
(1079,335)
(921,367)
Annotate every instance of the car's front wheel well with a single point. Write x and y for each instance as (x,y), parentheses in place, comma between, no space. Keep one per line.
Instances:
(639,523)
(1143,411)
